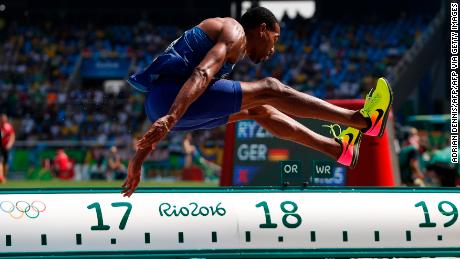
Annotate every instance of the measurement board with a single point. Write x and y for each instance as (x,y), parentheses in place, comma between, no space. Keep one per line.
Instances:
(231,221)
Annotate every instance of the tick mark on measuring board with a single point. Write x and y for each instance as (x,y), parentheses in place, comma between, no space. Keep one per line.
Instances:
(78,239)
(408,235)
(377,236)
(313,236)
(248,236)
(44,243)
(8,240)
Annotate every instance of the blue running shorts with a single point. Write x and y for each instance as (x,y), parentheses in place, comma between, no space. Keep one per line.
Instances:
(212,109)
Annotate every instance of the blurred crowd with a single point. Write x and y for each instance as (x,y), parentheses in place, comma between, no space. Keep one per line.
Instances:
(36,63)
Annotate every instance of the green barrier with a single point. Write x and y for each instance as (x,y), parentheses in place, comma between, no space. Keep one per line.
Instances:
(20,160)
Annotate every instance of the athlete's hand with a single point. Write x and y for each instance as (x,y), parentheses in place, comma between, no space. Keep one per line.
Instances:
(156,132)
(134,172)
(132,180)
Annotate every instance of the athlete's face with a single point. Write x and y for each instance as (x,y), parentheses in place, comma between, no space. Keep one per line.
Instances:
(265,43)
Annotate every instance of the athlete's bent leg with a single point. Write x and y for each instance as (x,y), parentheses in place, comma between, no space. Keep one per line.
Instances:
(290,101)
(285,127)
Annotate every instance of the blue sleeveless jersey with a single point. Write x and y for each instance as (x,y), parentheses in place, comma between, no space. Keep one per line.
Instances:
(165,76)
(179,60)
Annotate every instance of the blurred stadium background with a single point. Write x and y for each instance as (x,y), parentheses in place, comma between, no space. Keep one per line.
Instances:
(63,66)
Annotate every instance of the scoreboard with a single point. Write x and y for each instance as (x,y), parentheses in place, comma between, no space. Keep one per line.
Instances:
(258,155)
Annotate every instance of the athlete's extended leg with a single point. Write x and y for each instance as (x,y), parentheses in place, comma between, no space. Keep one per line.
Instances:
(290,101)
(285,127)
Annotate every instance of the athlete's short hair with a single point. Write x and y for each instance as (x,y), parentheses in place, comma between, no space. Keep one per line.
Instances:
(256,16)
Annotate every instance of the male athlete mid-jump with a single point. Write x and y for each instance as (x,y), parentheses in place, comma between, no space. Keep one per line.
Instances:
(186,90)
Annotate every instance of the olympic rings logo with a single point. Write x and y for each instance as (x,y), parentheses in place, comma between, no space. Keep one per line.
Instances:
(19,209)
